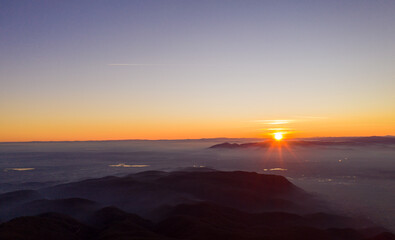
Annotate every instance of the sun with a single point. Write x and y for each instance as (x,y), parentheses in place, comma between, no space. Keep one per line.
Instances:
(278,136)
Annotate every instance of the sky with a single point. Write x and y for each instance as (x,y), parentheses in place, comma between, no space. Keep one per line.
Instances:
(177,69)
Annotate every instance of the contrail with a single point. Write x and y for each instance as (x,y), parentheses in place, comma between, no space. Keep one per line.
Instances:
(150,64)
(137,64)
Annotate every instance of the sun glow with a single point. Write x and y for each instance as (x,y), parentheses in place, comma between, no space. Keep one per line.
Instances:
(278,136)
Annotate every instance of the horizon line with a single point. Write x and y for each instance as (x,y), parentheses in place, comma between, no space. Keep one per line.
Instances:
(179,139)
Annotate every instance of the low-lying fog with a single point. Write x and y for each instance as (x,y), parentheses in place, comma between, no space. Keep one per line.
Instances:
(356,179)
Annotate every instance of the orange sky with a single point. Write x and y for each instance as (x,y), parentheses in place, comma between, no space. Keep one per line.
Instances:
(111,129)
(195,69)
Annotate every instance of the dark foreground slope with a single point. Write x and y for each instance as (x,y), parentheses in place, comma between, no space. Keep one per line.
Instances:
(203,204)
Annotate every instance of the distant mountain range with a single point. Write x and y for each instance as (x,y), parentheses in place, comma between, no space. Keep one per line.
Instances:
(193,203)
(205,140)
(351,141)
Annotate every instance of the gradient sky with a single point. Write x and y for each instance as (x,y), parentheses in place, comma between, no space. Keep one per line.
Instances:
(88,70)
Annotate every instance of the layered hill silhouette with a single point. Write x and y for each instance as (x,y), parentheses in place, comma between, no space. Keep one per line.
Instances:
(188,204)
(354,141)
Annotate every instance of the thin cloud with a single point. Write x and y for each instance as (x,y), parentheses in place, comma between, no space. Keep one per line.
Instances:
(279,129)
(275,121)
(288,121)
(310,117)
(280,125)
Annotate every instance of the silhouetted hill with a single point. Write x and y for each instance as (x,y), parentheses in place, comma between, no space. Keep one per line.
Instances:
(200,205)
(143,192)
(198,221)
(108,215)
(356,141)
(18,197)
(383,236)
(209,221)
(47,226)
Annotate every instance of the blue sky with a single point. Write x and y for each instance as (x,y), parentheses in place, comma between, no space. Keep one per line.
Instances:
(125,63)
